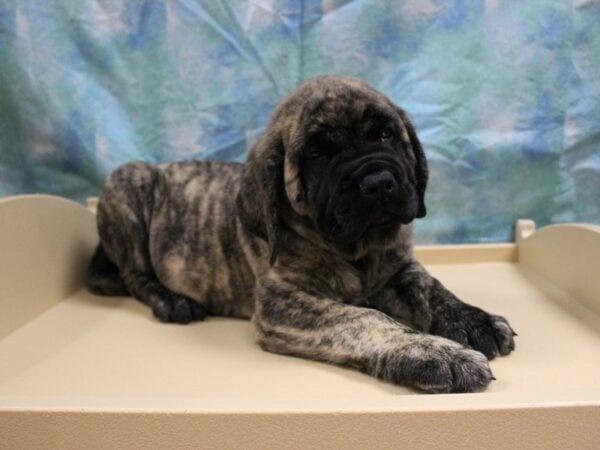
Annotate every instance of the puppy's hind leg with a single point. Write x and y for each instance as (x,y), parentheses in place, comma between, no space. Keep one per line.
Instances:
(167,306)
(124,214)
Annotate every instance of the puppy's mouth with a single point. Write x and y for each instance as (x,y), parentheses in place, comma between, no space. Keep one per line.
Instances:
(382,219)
(345,230)
(353,221)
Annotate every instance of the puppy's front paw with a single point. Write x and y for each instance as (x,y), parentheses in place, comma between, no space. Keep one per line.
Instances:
(468,325)
(436,365)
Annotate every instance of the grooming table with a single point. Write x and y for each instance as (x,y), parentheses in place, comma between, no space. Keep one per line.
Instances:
(81,371)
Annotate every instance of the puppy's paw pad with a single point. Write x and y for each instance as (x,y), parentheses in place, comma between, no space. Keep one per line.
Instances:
(439,365)
(504,334)
(161,309)
(177,308)
(186,310)
(471,371)
(473,327)
(490,334)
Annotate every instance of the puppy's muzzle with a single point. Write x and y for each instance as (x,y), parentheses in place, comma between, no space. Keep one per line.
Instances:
(379,186)
(385,190)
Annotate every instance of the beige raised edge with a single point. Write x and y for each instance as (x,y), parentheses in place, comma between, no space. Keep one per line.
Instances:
(91,372)
(571,261)
(45,243)
(466,253)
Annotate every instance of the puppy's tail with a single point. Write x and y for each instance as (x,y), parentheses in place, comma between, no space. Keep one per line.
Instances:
(102,276)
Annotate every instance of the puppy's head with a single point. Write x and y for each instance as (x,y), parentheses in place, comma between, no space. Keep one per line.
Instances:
(343,157)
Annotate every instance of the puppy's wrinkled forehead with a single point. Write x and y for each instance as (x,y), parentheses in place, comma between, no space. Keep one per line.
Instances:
(342,106)
(329,102)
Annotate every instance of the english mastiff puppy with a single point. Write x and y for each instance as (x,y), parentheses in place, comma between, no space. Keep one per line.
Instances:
(311,238)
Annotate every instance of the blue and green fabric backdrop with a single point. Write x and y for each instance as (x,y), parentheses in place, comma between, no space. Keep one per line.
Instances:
(504,94)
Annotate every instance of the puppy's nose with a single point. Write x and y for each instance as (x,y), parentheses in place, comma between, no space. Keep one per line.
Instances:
(378,185)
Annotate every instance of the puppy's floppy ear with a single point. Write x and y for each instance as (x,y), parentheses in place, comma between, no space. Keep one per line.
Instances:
(293,183)
(421,171)
(262,184)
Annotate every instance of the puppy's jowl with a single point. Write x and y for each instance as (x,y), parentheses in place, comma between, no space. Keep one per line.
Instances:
(311,238)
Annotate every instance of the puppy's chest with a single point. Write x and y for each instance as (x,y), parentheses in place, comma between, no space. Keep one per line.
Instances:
(346,282)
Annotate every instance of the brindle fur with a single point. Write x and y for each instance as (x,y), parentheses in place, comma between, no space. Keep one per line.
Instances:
(280,240)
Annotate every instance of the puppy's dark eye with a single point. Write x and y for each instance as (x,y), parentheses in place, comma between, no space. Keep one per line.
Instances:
(321,152)
(322,147)
(316,154)
(386,134)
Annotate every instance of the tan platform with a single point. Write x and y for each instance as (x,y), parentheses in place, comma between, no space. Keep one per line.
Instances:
(79,371)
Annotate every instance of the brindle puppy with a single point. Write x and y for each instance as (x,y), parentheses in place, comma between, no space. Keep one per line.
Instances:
(311,238)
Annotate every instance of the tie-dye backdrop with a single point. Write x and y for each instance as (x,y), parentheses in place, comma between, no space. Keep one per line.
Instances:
(505,94)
